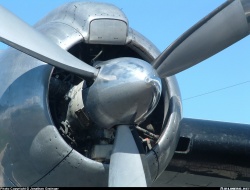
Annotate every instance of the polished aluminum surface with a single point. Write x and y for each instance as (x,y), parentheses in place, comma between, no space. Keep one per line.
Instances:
(217,31)
(126,163)
(116,96)
(25,85)
(25,121)
(86,13)
(32,152)
(108,31)
(17,34)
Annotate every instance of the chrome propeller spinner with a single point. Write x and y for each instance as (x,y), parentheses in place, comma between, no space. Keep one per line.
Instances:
(125,92)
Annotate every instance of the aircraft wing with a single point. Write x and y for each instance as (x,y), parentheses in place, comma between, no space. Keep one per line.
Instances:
(210,153)
(177,179)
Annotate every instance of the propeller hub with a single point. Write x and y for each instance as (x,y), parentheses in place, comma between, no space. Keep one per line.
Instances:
(125,91)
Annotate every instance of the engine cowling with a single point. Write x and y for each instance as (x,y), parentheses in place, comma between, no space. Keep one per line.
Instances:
(37,129)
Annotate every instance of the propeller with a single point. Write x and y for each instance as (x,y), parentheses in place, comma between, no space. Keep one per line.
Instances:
(126,163)
(220,29)
(17,34)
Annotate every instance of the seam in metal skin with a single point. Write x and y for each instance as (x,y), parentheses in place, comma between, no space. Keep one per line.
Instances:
(158,166)
(53,168)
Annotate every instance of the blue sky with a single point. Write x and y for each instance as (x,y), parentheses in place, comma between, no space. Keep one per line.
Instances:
(162,21)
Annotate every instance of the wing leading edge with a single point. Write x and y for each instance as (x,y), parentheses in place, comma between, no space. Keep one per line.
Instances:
(213,149)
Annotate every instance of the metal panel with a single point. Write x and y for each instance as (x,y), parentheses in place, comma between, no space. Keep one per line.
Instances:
(33,151)
(33,145)
(108,31)
(76,171)
(79,15)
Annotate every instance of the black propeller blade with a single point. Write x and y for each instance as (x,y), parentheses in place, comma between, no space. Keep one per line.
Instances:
(126,163)
(17,34)
(220,29)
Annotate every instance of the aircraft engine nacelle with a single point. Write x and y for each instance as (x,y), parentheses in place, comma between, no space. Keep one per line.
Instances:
(46,139)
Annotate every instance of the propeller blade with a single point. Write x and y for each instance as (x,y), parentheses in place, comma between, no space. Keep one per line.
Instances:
(126,164)
(19,35)
(220,29)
